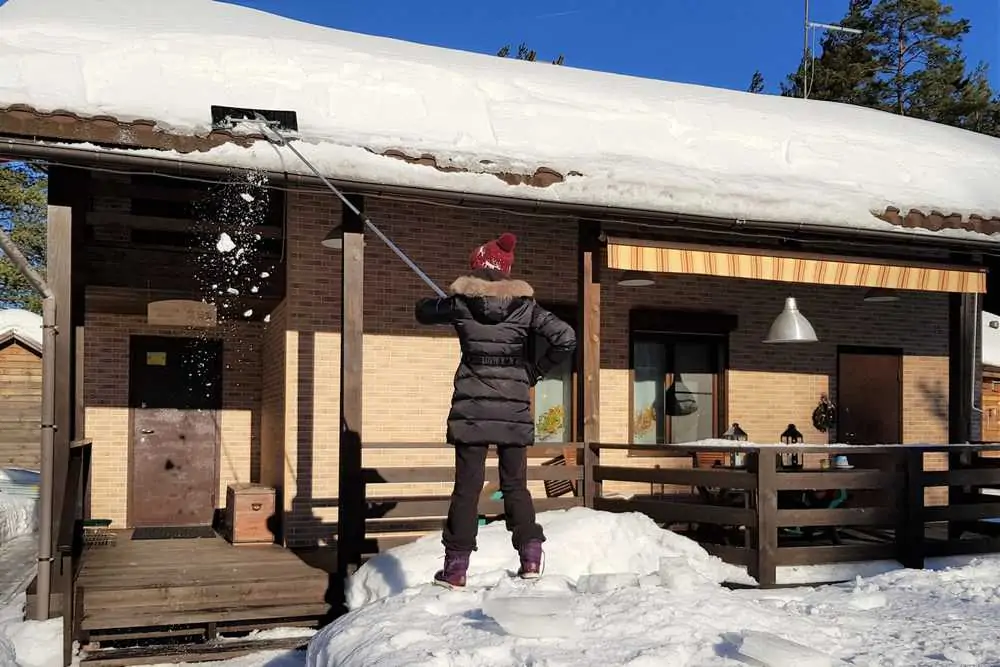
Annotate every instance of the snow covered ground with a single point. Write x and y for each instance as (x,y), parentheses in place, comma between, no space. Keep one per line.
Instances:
(617,590)
(659,602)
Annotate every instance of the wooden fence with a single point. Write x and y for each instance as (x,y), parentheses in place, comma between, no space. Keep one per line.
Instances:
(393,518)
(764,515)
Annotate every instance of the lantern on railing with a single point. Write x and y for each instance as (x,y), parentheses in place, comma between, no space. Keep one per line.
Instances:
(736,459)
(791,436)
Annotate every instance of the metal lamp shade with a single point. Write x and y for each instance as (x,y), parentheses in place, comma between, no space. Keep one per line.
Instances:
(334,240)
(635,279)
(880,295)
(791,326)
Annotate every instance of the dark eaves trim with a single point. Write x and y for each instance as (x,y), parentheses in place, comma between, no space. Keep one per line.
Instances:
(25,149)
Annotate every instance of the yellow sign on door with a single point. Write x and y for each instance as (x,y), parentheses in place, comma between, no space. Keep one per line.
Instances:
(156,358)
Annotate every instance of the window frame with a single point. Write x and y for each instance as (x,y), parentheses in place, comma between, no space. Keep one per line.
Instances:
(669,327)
(567,313)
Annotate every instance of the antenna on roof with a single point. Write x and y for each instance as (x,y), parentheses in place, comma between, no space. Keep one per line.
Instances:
(809,28)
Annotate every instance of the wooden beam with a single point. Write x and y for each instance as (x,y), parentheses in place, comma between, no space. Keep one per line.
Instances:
(351,513)
(963,319)
(59,261)
(589,351)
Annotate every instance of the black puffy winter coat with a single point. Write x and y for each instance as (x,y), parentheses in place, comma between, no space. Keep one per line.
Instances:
(495,318)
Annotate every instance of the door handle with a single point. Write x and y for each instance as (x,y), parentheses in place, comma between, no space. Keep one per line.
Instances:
(147,431)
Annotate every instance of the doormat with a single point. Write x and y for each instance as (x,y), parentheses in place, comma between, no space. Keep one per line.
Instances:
(172,532)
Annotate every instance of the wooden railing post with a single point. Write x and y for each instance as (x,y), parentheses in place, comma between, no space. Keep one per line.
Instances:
(910,523)
(764,462)
(589,346)
(592,488)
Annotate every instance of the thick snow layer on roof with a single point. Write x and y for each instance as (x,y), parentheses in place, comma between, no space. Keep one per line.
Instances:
(636,143)
(22,323)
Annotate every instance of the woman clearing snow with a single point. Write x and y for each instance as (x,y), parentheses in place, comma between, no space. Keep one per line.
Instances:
(495,318)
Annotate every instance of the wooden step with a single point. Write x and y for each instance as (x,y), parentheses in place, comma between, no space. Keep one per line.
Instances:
(201,652)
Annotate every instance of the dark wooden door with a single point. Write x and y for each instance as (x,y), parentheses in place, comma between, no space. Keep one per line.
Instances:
(175,387)
(870,397)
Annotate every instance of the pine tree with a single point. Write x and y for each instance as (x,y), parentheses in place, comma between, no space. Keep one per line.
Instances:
(524,53)
(756,83)
(907,60)
(23,215)
(921,67)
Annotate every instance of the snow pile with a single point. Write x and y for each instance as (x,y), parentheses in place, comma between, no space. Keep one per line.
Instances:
(28,643)
(906,618)
(617,140)
(580,542)
(991,339)
(23,324)
(18,516)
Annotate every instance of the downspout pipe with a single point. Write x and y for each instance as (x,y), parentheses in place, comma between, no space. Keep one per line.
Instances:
(45,509)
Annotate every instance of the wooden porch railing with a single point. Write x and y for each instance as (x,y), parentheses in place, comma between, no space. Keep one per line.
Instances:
(69,542)
(764,516)
(394,518)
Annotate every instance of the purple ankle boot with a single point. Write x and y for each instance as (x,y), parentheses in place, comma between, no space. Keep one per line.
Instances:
(531,560)
(452,575)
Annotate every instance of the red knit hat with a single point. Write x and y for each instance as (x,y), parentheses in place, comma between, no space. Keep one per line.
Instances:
(497,255)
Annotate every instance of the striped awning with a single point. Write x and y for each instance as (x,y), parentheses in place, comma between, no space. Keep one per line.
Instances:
(632,255)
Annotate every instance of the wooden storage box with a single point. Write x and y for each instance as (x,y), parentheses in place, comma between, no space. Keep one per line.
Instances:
(249,507)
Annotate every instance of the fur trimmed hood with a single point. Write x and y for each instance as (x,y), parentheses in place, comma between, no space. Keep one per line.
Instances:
(474,286)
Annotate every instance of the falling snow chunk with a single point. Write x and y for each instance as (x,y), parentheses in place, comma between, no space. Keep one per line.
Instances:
(248,313)
(267,318)
(254,289)
(247,197)
(233,291)
(225,243)
(265,274)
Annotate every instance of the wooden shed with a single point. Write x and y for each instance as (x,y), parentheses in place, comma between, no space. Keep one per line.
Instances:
(20,388)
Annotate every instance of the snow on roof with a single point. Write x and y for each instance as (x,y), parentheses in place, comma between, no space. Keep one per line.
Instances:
(618,141)
(23,325)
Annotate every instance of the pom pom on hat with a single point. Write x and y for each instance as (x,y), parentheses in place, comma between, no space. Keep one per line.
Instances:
(507,241)
(496,255)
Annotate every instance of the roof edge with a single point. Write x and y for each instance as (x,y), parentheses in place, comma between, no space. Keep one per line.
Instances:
(84,157)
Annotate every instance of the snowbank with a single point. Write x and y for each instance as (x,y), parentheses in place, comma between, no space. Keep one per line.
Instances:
(18,516)
(619,141)
(580,542)
(28,643)
(907,618)
(991,340)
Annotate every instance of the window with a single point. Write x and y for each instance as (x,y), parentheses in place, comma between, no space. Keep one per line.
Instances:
(678,376)
(554,396)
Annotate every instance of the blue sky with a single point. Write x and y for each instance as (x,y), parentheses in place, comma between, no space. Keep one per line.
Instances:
(712,42)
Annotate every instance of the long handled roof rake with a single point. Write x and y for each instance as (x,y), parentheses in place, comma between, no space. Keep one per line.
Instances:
(272,123)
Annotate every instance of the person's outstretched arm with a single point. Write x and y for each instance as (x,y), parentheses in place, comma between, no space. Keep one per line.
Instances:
(435,311)
(559,335)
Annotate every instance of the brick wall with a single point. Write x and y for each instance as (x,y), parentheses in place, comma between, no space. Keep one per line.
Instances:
(408,369)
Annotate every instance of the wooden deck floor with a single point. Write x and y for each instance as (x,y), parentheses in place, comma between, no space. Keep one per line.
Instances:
(132,589)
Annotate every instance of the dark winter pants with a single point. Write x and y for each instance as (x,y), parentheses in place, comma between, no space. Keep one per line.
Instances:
(470,474)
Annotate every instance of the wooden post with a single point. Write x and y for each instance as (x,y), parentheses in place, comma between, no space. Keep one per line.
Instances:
(59,261)
(351,497)
(963,320)
(910,521)
(589,352)
(765,570)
